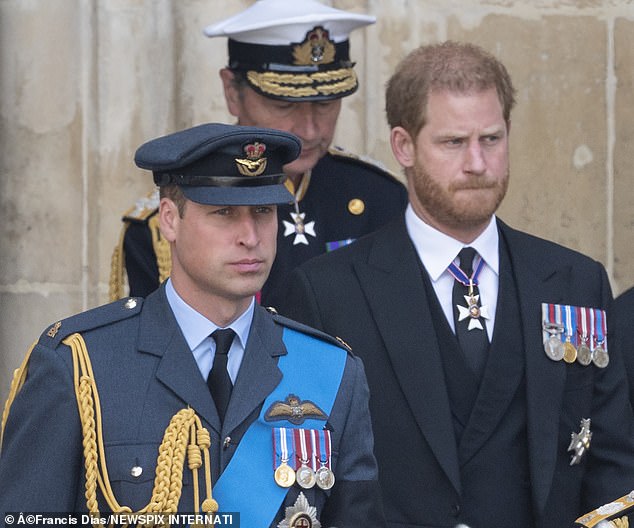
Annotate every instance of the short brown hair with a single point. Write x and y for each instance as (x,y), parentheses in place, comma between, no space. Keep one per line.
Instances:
(453,66)
(174,193)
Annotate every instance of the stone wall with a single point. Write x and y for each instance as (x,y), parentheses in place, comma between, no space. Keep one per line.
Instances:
(84,82)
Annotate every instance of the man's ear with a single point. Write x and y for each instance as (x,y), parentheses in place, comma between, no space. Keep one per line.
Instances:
(169,218)
(232,94)
(403,146)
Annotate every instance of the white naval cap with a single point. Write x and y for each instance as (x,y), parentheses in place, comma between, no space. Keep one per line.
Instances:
(292,49)
(280,22)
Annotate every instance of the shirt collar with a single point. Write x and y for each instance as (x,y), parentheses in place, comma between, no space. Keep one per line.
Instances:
(437,250)
(196,327)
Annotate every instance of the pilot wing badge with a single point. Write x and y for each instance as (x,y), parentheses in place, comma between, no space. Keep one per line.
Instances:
(294,410)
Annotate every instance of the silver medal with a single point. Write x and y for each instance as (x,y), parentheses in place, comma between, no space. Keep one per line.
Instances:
(584,355)
(305,477)
(325,478)
(554,348)
(600,357)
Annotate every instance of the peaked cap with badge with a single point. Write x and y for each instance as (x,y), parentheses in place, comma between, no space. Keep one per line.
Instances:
(219,164)
(293,50)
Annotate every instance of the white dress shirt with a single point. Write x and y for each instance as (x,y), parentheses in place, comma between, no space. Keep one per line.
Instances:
(197,330)
(437,250)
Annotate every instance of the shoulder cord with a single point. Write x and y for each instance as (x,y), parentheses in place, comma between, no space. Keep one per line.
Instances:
(19,376)
(161,249)
(117,265)
(115,286)
(184,427)
(184,436)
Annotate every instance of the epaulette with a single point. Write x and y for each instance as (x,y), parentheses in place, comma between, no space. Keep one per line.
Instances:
(91,319)
(143,212)
(612,515)
(143,208)
(365,161)
(309,330)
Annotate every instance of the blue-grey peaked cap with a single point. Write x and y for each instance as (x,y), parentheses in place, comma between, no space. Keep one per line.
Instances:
(221,164)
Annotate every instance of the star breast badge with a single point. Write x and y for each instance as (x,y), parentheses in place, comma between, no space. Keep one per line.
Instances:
(300,515)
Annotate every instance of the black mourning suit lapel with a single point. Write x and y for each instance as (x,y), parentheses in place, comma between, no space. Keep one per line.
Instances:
(391,279)
(539,278)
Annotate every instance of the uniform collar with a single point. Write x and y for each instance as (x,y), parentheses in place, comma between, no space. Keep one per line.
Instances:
(196,327)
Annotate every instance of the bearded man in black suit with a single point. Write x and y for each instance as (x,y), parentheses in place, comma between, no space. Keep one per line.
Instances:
(485,347)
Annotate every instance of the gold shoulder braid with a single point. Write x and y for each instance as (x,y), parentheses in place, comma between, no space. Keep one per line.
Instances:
(115,287)
(184,427)
(143,210)
(185,436)
(19,376)
(117,265)
(161,249)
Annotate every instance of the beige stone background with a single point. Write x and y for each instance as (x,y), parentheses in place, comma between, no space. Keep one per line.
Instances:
(84,82)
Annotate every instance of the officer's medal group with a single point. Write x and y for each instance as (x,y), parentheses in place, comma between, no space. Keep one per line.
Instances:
(302,456)
(576,334)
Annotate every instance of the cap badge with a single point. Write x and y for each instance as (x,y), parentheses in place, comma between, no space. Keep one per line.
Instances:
(316,48)
(255,163)
(294,410)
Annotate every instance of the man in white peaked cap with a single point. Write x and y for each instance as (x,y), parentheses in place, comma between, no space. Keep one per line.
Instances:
(289,68)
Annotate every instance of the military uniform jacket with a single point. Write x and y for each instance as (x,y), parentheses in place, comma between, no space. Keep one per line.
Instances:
(346,198)
(145,374)
(372,294)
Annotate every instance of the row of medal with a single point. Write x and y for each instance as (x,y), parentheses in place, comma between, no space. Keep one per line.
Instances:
(302,456)
(575,333)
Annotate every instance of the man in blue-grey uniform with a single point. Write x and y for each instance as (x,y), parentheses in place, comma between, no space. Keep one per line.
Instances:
(195,399)
(289,68)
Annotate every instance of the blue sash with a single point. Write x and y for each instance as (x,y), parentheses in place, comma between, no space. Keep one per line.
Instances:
(312,369)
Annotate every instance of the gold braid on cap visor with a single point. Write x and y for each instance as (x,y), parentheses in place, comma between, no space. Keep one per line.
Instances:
(329,82)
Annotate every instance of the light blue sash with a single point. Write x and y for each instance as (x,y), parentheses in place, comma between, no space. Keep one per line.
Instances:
(312,369)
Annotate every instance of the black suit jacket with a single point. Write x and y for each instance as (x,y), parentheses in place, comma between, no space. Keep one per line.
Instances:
(621,321)
(372,295)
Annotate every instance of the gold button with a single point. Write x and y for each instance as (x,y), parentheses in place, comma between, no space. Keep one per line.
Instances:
(136,471)
(130,303)
(356,206)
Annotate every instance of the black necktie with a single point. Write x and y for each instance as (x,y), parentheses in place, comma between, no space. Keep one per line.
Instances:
(218,381)
(474,343)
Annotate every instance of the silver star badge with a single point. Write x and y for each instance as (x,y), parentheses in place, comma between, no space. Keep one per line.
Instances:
(473,311)
(300,515)
(299,228)
(580,442)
